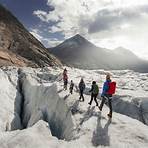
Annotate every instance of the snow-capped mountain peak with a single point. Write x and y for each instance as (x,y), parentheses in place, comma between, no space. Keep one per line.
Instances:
(80,53)
(75,42)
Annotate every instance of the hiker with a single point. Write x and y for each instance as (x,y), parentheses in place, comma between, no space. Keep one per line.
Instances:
(108,91)
(81,89)
(71,87)
(65,71)
(65,78)
(94,93)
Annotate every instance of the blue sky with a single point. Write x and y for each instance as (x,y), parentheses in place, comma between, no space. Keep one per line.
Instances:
(106,23)
(23,10)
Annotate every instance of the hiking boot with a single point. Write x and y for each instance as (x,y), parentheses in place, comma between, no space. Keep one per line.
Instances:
(89,103)
(109,115)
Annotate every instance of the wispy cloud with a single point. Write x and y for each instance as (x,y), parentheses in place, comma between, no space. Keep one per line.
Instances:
(36,34)
(99,20)
(111,18)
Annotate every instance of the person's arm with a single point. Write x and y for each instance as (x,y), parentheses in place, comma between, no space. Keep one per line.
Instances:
(79,85)
(84,85)
(91,89)
(105,88)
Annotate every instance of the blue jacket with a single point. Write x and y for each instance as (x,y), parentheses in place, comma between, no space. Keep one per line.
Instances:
(105,87)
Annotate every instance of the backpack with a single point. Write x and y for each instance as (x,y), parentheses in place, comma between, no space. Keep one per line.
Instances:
(81,85)
(95,89)
(112,88)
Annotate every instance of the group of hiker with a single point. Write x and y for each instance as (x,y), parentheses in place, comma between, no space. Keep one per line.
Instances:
(107,92)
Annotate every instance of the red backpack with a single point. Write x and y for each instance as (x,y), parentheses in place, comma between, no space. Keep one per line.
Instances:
(112,88)
(65,77)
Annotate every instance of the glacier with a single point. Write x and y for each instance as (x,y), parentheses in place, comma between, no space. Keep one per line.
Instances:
(35,111)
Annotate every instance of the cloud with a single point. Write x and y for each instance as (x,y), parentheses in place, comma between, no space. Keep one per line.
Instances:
(107,19)
(54,29)
(47,41)
(101,21)
(46,16)
(53,42)
(86,17)
(68,14)
(35,33)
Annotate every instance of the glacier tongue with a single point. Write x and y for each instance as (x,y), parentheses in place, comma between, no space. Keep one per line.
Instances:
(34,100)
(42,102)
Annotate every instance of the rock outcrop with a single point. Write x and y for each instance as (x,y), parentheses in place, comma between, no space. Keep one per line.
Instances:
(19,47)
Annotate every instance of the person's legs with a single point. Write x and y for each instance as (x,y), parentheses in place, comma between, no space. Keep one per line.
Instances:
(110,106)
(82,96)
(92,96)
(102,103)
(95,99)
(66,85)
(71,90)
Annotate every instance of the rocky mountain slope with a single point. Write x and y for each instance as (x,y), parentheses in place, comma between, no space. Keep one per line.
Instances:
(18,46)
(80,53)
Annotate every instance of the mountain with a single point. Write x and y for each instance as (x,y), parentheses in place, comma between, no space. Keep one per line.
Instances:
(19,47)
(79,52)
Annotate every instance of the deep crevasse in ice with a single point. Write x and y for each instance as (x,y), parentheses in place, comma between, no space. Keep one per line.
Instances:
(42,102)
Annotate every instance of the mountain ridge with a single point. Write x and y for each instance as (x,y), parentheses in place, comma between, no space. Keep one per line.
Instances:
(81,53)
(19,47)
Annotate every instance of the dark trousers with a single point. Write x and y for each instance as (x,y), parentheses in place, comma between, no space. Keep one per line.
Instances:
(94,96)
(71,90)
(65,84)
(109,103)
(81,95)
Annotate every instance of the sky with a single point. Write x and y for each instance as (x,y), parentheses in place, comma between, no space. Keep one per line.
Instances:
(106,23)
